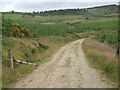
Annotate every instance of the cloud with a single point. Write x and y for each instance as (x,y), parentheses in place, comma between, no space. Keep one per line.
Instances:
(20,5)
(59,0)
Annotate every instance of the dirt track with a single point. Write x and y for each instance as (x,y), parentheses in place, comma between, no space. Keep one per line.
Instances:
(68,68)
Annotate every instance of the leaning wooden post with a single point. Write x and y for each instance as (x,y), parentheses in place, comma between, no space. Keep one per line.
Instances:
(10,59)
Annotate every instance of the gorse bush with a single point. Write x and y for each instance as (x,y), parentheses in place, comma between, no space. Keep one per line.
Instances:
(17,30)
(10,28)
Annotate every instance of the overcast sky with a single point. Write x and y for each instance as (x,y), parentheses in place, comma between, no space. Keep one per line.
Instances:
(41,5)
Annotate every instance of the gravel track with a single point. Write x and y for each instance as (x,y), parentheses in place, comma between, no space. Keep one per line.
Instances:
(68,68)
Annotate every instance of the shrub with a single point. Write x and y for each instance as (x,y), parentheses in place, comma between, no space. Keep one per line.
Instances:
(33,50)
(42,48)
(107,68)
(17,31)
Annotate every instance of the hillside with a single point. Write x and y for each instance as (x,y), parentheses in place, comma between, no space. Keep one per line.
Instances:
(100,10)
(35,38)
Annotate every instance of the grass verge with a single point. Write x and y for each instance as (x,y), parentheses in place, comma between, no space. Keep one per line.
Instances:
(102,57)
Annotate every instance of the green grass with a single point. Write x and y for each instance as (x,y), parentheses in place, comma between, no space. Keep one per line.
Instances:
(103,25)
(97,26)
(46,30)
(11,77)
(106,30)
(8,43)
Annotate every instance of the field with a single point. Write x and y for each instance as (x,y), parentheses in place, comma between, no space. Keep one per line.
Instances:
(104,29)
(52,32)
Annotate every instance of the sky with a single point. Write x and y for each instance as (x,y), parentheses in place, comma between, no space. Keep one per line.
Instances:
(42,5)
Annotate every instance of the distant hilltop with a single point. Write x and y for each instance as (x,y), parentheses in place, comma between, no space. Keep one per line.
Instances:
(98,10)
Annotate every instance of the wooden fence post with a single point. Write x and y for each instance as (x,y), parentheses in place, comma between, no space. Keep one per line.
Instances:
(10,59)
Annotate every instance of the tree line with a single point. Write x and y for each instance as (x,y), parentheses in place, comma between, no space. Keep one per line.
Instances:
(76,11)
